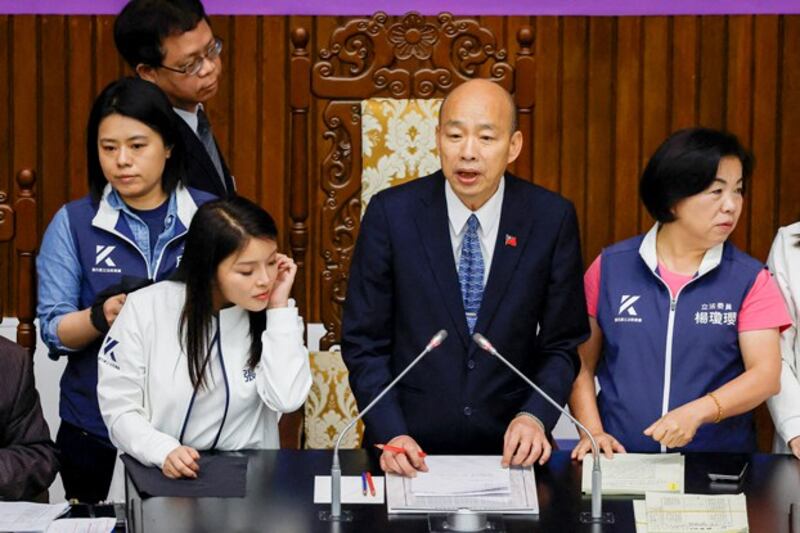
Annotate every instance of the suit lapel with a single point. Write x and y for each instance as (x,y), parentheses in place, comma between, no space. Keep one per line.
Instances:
(434,234)
(196,151)
(516,224)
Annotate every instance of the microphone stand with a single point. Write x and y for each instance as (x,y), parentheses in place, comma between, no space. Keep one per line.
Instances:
(335,514)
(597,516)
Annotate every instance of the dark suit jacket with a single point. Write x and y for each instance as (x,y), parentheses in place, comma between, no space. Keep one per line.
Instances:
(28,462)
(404,287)
(199,169)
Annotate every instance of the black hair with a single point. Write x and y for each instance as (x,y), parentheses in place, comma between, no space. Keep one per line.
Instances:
(142,101)
(142,26)
(686,164)
(218,229)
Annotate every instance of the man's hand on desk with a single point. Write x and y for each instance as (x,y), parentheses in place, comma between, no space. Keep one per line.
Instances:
(525,442)
(406,464)
(181,462)
(606,443)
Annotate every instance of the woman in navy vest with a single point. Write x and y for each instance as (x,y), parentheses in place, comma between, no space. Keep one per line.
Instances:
(129,229)
(685,326)
(784,262)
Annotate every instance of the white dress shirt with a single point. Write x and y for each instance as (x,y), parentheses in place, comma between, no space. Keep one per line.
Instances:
(189,117)
(488,218)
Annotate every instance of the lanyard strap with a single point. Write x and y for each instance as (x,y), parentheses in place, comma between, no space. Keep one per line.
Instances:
(216,340)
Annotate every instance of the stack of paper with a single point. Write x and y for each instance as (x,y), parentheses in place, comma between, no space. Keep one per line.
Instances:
(457,482)
(446,477)
(682,513)
(24,516)
(637,473)
(83,525)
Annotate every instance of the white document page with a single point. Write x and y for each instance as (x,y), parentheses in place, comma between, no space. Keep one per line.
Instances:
(25,517)
(464,482)
(447,476)
(637,473)
(685,513)
(640,515)
(352,490)
(83,525)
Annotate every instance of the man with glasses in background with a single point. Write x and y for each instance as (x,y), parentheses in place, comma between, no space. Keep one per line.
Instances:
(170,43)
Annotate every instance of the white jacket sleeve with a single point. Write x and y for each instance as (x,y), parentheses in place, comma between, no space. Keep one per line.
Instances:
(283,376)
(121,389)
(785,406)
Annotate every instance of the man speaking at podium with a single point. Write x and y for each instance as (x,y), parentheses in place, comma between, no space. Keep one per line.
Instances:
(470,248)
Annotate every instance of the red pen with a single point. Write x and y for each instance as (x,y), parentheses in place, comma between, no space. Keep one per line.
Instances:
(397,449)
(371,484)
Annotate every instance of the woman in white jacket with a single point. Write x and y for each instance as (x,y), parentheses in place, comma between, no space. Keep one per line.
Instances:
(784,262)
(210,360)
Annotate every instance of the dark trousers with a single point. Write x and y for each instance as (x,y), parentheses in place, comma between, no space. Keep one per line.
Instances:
(87,464)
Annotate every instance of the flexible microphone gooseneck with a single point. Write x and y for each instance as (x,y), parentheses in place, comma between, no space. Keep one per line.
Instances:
(597,497)
(336,470)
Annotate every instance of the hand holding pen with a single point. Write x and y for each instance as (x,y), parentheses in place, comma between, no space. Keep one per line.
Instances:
(402,455)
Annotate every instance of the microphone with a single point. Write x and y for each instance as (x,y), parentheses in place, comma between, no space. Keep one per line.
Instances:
(597,496)
(336,470)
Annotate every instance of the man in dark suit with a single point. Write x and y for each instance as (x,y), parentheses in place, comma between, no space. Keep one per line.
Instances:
(28,462)
(170,43)
(469,249)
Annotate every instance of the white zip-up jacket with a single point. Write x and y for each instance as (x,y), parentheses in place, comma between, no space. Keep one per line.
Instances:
(146,396)
(784,263)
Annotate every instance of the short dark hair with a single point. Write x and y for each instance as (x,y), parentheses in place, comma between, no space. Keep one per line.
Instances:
(142,101)
(142,26)
(218,229)
(686,164)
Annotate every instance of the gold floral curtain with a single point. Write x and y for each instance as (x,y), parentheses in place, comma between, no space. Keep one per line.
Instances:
(330,404)
(398,142)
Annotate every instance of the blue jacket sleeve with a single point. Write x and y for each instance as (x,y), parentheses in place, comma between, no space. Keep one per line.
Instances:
(367,326)
(59,273)
(563,326)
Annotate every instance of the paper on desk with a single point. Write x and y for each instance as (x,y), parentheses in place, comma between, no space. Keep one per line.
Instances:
(683,513)
(83,525)
(24,516)
(352,490)
(640,515)
(489,487)
(447,476)
(637,473)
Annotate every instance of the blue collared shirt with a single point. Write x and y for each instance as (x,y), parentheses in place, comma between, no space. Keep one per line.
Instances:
(60,271)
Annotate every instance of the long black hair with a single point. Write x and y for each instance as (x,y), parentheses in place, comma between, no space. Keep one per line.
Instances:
(218,229)
(142,101)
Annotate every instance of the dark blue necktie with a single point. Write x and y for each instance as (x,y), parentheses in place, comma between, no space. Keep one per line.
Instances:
(470,272)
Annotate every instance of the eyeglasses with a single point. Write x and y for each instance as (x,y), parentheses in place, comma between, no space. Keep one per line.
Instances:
(196,64)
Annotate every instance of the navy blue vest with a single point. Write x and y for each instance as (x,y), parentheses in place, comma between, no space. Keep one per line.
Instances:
(106,254)
(639,360)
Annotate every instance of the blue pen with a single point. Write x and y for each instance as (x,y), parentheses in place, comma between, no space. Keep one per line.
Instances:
(364,483)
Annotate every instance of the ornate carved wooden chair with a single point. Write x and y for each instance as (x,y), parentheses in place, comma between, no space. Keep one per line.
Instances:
(18,225)
(366,62)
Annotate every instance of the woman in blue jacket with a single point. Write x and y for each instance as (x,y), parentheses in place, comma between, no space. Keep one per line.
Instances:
(685,327)
(127,231)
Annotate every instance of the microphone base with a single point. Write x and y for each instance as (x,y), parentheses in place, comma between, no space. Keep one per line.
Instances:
(465,521)
(327,516)
(587,518)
